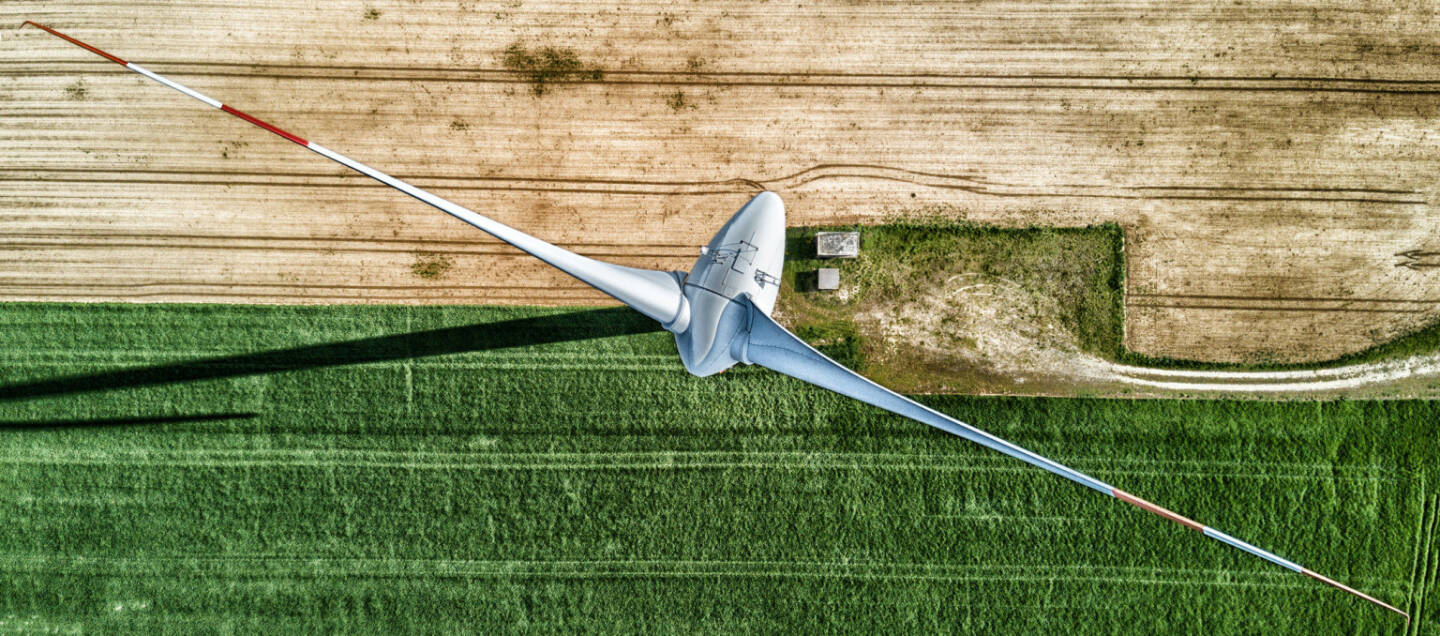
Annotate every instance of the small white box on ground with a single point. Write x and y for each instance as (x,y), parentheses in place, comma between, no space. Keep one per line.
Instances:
(837,244)
(829,278)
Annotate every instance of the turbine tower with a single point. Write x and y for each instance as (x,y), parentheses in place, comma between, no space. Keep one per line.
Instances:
(720,314)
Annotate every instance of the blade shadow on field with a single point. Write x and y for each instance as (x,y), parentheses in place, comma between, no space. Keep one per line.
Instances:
(141,420)
(518,332)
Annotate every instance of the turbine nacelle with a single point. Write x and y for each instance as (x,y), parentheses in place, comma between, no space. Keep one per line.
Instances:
(743,260)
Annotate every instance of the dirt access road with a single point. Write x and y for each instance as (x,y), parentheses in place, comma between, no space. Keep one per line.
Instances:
(1273,165)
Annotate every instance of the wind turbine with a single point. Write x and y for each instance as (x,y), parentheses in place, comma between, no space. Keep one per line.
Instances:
(720,313)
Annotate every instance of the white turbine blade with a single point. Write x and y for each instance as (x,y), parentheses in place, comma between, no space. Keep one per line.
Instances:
(770,345)
(655,294)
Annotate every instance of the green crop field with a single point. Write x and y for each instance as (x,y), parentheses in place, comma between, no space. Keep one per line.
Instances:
(204,469)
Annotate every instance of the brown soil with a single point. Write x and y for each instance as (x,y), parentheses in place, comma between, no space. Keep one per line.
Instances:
(1270,164)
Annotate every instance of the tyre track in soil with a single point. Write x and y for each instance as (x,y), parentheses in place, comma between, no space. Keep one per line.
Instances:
(793,181)
(778,79)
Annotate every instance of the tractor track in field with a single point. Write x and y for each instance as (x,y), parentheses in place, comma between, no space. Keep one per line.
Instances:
(997,326)
(967,182)
(1304,304)
(1344,378)
(308,567)
(777,78)
(664,460)
(1427,559)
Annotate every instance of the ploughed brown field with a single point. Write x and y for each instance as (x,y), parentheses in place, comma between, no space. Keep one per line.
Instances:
(1273,168)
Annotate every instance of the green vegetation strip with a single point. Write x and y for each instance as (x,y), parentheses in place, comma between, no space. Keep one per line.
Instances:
(373,469)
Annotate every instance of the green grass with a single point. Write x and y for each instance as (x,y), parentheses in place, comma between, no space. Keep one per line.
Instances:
(1082,269)
(492,472)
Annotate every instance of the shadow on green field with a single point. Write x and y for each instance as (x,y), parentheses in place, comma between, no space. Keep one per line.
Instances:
(143,420)
(520,332)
